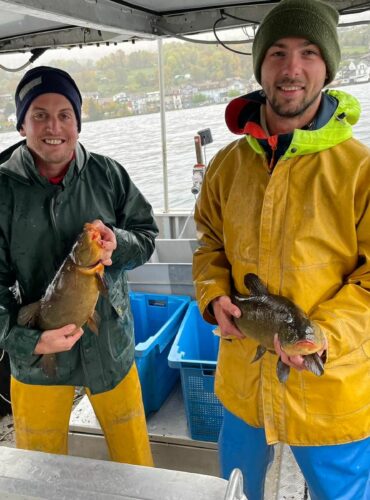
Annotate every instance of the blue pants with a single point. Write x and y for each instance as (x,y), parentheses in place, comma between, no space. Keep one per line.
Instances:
(338,472)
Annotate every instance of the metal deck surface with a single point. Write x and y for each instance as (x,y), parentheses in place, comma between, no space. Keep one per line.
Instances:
(174,449)
(35,475)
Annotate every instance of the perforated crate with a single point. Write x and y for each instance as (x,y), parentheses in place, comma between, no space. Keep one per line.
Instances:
(194,352)
(157,319)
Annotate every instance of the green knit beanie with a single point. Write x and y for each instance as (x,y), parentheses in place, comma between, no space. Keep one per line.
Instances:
(311,19)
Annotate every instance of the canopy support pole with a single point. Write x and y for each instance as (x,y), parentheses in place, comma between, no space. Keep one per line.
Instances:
(163,124)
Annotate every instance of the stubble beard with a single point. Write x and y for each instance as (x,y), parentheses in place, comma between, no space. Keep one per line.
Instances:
(279,109)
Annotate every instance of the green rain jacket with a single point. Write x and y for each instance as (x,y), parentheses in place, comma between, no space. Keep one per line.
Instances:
(39,222)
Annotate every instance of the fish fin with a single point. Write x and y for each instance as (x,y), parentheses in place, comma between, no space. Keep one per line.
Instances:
(48,364)
(255,285)
(102,284)
(90,271)
(27,315)
(259,353)
(282,371)
(251,299)
(93,322)
(314,364)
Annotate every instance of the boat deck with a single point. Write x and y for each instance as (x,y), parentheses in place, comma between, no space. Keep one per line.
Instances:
(173,448)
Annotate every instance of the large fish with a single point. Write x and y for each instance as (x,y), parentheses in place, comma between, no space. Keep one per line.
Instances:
(72,295)
(263,315)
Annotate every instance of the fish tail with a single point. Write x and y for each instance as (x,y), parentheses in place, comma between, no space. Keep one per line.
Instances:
(48,364)
(27,315)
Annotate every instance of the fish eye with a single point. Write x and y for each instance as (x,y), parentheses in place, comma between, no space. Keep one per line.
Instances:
(289,319)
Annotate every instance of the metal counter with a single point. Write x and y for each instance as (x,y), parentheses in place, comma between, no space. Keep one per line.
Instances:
(26,475)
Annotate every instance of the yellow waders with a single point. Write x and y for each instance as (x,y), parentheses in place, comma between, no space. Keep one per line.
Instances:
(41,416)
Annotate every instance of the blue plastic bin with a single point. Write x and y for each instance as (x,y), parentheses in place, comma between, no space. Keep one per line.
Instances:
(194,351)
(156,321)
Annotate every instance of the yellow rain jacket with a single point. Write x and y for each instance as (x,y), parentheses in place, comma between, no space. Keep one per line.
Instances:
(305,230)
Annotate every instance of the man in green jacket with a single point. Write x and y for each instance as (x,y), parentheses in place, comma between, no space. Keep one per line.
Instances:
(290,202)
(50,186)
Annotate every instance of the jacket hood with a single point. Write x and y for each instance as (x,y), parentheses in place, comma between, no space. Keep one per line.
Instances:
(18,163)
(337,114)
(243,109)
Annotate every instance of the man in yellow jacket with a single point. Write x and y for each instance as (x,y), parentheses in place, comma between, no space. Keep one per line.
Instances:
(290,202)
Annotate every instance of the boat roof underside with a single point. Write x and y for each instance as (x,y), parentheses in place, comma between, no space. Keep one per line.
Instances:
(34,24)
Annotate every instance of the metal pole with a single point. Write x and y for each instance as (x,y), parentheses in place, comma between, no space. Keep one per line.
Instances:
(163,124)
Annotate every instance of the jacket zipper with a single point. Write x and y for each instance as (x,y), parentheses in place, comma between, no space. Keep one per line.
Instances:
(273,142)
(53,218)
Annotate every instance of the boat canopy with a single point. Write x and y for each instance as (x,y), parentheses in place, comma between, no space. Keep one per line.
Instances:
(32,25)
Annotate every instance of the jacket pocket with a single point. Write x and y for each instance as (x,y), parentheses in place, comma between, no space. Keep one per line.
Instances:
(344,387)
(235,370)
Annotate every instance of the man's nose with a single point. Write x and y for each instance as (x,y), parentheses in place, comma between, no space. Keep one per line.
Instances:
(53,124)
(292,65)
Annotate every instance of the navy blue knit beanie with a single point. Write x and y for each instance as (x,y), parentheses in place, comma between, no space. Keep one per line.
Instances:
(45,80)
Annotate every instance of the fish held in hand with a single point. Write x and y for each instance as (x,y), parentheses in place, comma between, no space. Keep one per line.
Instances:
(73,293)
(264,314)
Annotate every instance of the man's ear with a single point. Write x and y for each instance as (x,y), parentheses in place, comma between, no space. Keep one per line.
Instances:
(22,131)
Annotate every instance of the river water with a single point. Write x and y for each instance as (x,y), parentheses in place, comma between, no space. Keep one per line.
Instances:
(136,143)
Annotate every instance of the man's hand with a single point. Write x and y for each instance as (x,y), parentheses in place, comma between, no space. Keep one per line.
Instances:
(296,362)
(109,242)
(59,340)
(224,311)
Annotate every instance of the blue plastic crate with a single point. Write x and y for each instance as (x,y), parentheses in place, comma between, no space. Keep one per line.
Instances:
(194,352)
(156,321)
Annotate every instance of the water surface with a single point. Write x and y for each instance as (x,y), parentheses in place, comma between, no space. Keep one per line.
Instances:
(136,143)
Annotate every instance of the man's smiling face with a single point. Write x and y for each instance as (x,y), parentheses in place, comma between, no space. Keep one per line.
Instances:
(293,74)
(51,131)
